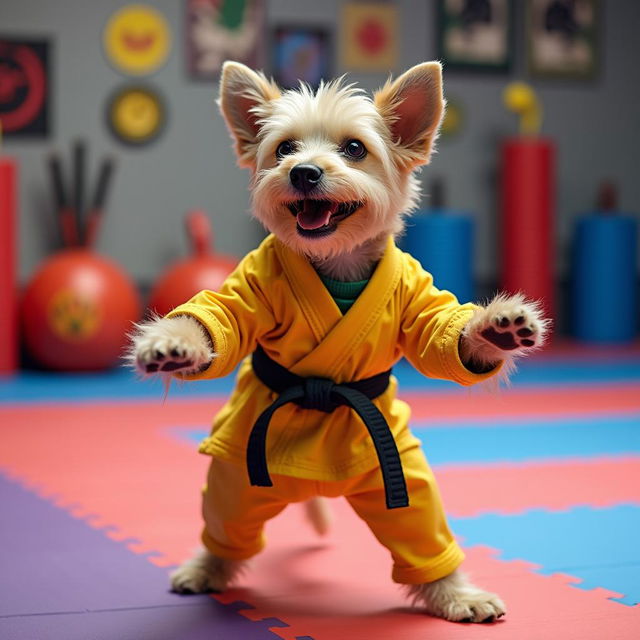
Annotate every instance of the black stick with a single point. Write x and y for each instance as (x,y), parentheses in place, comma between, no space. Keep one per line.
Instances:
(79,173)
(99,198)
(64,214)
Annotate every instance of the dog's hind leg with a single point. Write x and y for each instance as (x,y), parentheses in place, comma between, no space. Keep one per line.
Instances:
(205,573)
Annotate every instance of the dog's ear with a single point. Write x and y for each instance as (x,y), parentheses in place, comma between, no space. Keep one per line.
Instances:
(244,100)
(413,106)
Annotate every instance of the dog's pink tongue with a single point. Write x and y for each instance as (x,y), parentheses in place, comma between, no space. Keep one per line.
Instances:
(315,214)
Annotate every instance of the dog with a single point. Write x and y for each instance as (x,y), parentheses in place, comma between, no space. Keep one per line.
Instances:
(333,177)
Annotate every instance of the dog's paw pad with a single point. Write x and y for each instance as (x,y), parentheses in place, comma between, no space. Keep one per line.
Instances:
(174,365)
(511,331)
(164,360)
(168,355)
(502,339)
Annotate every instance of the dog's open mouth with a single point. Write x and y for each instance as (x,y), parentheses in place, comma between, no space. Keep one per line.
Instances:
(317,218)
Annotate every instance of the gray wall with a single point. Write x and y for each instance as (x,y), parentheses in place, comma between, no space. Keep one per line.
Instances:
(596,127)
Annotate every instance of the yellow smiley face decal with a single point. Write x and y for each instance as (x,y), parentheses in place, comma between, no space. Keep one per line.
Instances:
(137,39)
(136,115)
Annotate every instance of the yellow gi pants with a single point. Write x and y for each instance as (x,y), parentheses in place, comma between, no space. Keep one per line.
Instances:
(421,544)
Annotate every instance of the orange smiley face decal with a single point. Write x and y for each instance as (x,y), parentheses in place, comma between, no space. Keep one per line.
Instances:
(137,39)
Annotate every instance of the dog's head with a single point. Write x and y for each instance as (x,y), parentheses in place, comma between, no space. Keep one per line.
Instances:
(332,169)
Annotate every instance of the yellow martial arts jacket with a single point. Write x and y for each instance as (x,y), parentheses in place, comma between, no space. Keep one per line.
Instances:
(276,299)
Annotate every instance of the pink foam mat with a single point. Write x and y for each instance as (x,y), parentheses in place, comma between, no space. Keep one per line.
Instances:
(118,467)
(340,589)
(122,467)
(470,490)
(532,402)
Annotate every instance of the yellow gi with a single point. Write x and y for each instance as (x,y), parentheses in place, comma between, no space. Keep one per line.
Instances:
(276,299)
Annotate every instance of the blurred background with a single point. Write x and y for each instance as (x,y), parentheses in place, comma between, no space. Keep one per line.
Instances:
(119,193)
(137,84)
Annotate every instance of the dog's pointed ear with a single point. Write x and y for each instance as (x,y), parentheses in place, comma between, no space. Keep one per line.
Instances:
(244,100)
(413,106)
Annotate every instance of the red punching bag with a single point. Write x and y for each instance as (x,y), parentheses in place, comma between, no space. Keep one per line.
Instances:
(77,310)
(202,270)
(528,202)
(527,218)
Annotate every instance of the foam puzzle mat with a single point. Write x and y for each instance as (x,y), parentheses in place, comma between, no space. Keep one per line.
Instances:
(100,481)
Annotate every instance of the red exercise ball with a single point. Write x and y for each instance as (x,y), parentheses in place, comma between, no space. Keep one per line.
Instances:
(77,310)
(202,270)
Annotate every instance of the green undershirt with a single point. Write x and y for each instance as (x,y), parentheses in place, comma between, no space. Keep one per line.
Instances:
(344,294)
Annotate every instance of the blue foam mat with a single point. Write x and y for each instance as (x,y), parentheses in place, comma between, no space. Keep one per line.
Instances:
(599,546)
(122,384)
(520,440)
(523,439)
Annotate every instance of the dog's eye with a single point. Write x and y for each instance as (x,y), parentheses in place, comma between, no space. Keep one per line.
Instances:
(285,148)
(354,149)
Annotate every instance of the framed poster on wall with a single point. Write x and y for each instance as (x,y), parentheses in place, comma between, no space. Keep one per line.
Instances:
(24,87)
(300,54)
(369,36)
(562,38)
(219,30)
(475,35)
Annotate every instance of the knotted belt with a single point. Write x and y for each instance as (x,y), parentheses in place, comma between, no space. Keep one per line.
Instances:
(325,395)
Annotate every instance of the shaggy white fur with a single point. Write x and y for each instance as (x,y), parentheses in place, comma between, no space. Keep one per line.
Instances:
(365,200)
(205,572)
(164,346)
(508,328)
(455,598)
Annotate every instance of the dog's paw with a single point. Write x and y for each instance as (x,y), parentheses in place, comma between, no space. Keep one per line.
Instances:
(454,598)
(513,328)
(169,345)
(204,573)
(508,325)
(476,606)
(192,579)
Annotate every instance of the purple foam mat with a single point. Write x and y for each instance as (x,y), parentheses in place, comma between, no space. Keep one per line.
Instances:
(198,622)
(54,563)
(61,579)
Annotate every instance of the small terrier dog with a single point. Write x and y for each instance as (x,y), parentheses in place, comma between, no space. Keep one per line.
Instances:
(333,177)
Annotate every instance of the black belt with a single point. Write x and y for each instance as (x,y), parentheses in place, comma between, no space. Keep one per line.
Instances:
(325,395)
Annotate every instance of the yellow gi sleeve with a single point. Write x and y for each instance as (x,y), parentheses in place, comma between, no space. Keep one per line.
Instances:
(234,316)
(431,325)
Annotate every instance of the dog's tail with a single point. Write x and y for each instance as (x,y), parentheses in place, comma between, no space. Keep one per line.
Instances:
(319,514)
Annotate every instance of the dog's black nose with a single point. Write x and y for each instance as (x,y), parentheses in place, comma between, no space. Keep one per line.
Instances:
(304,177)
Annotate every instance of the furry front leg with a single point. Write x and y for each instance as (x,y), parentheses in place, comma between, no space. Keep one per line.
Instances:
(455,598)
(204,573)
(508,327)
(166,345)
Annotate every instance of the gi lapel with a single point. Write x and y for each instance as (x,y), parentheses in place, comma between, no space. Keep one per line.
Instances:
(338,336)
